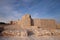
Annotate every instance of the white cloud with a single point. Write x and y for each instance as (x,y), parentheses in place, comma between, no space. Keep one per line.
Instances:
(35,15)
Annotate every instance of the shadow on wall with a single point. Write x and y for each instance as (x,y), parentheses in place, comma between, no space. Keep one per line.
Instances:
(32,22)
(30,33)
(1,30)
(2,24)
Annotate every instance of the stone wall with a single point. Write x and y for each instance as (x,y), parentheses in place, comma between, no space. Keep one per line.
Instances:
(48,23)
(18,22)
(13,22)
(58,26)
(26,20)
(37,22)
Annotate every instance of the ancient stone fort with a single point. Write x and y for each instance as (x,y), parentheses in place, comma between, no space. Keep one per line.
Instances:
(30,27)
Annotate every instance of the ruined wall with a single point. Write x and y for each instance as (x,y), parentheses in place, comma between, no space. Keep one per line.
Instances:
(26,20)
(31,27)
(18,22)
(37,22)
(13,22)
(47,23)
(58,26)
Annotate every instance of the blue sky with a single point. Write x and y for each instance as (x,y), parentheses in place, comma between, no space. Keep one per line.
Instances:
(15,9)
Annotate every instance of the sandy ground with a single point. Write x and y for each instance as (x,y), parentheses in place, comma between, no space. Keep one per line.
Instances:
(31,38)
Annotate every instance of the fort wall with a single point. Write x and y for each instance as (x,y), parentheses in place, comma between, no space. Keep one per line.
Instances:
(48,23)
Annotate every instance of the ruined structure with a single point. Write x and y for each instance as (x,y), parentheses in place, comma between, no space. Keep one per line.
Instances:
(28,21)
(31,27)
